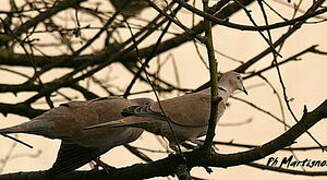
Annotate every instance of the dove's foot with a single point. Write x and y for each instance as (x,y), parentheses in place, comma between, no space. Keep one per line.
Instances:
(197,142)
(209,170)
(174,147)
(188,145)
(103,165)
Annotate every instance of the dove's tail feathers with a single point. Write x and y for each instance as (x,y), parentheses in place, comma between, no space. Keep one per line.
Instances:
(37,127)
(126,122)
(10,130)
(31,127)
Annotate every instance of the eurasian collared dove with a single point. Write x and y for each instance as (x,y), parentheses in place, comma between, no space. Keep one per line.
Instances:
(188,114)
(67,122)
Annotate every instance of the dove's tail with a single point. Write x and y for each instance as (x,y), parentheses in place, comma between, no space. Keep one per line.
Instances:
(126,122)
(11,130)
(32,127)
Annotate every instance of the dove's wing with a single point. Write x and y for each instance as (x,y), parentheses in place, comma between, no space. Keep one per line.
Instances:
(191,110)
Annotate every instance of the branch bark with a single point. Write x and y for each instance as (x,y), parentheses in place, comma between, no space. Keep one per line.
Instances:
(213,66)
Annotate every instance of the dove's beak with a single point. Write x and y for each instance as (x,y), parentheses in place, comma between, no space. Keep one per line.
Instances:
(244,90)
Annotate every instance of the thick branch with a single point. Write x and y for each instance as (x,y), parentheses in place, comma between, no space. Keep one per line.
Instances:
(213,78)
(20,109)
(167,166)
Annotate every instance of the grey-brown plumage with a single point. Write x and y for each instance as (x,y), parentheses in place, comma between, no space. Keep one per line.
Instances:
(188,114)
(129,8)
(67,122)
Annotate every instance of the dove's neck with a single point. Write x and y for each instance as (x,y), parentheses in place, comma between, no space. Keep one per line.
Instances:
(224,92)
(225,84)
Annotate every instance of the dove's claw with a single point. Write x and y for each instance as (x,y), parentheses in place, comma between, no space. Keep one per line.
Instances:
(103,165)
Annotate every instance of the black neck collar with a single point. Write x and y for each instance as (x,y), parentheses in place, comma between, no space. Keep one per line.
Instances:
(221,88)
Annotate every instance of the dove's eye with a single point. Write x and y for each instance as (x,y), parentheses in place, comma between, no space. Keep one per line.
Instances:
(238,77)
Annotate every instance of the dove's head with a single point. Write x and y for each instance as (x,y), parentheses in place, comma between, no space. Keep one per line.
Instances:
(232,81)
